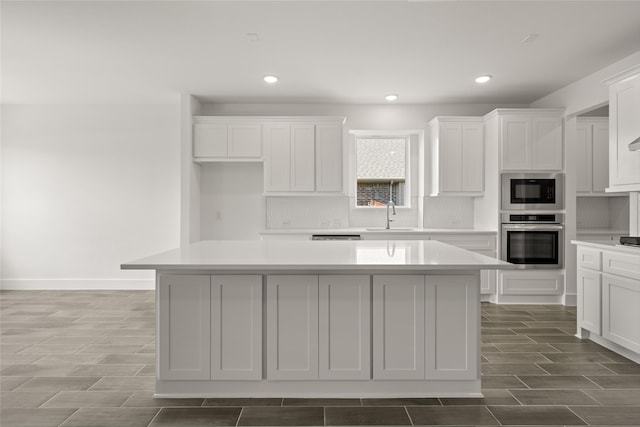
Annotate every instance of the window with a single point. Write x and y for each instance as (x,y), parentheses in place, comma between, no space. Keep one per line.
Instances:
(381,170)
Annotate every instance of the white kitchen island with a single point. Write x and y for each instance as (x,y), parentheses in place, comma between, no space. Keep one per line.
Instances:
(282,318)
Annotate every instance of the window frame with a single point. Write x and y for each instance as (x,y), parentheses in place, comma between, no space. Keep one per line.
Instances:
(414,163)
(407,165)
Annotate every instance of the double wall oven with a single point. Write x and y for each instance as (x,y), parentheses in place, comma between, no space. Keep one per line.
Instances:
(532,232)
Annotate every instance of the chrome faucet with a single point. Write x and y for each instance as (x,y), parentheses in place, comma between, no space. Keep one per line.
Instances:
(393,206)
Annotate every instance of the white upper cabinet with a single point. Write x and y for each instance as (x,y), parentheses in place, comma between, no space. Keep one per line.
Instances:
(302,165)
(592,155)
(624,127)
(329,157)
(531,140)
(226,138)
(303,157)
(457,156)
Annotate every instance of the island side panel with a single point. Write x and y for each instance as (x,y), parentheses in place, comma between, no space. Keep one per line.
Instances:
(452,343)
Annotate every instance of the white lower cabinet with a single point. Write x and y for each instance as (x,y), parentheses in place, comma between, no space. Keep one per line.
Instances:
(425,327)
(620,314)
(236,321)
(589,300)
(609,297)
(318,327)
(452,327)
(345,327)
(398,327)
(211,327)
(292,327)
(184,338)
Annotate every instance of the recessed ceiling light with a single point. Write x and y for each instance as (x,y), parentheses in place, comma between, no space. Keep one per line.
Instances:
(270,79)
(391,97)
(483,79)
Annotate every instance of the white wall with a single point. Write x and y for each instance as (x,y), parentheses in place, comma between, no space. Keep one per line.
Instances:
(589,92)
(84,189)
(231,201)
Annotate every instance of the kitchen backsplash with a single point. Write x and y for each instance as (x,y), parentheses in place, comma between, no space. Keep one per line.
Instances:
(448,212)
(602,213)
(307,212)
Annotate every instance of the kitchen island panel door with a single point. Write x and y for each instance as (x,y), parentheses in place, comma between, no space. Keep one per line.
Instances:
(292,327)
(620,314)
(398,327)
(236,320)
(452,327)
(345,327)
(184,337)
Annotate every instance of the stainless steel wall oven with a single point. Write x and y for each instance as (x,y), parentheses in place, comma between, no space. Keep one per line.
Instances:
(533,240)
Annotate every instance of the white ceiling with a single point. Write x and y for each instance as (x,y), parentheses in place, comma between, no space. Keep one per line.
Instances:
(323,51)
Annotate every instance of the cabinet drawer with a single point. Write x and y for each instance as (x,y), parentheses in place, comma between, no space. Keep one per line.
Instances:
(472,242)
(626,265)
(589,258)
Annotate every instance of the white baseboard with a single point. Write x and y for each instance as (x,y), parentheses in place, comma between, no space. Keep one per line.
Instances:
(76,284)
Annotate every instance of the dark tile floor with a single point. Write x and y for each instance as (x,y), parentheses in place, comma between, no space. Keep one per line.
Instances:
(86,358)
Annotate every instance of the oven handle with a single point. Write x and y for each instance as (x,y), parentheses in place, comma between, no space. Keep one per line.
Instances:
(532,227)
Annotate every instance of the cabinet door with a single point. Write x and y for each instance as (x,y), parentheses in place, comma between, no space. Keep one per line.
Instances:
(516,143)
(302,157)
(589,300)
(624,110)
(584,158)
(398,327)
(620,314)
(328,157)
(345,327)
(277,143)
(450,146)
(236,321)
(292,327)
(210,140)
(600,138)
(184,339)
(244,140)
(472,157)
(546,143)
(452,346)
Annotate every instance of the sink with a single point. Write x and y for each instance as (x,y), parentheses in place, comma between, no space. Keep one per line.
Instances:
(391,230)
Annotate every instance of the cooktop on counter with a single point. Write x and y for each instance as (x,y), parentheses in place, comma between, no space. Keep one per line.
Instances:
(630,240)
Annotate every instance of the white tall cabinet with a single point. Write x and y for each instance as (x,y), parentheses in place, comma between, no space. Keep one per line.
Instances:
(457,156)
(530,139)
(592,144)
(624,127)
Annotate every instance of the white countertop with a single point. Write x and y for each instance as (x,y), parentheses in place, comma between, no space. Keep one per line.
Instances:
(609,246)
(375,230)
(286,255)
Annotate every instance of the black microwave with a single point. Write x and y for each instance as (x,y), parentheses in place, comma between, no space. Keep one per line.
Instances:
(532,191)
